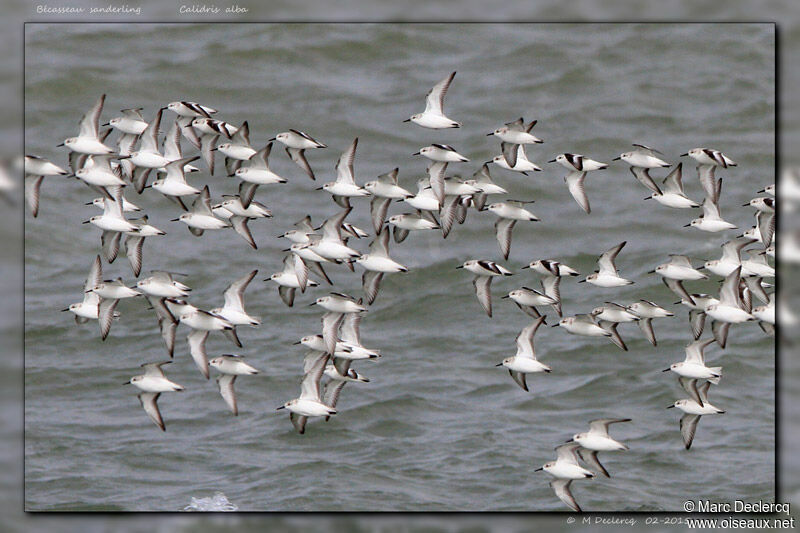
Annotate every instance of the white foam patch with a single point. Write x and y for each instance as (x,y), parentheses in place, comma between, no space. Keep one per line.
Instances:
(216,503)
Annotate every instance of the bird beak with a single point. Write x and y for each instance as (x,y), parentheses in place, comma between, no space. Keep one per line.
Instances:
(490,134)
(569,440)
(295,343)
(318,188)
(174,220)
(312,303)
(415,153)
(526,266)
(407,120)
(62,144)
(616,159)
(67,309)
(582,281)
(684,155)
(460,266)
(554,325)
(745,205)
(553,161)
(666,370)
(506,296)
(499,364)
(687,225)
(651,271)
(270,140)
(648,198)
(85,222)
(540,468)
(89,203)
(281,407)
(213,149)
(127,383)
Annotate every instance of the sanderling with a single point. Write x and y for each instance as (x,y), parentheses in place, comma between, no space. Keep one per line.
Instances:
(509,212)
(680,268)
(647,311)
(88,139)
(112,218)
(513,134)
(485,271)
(525,362)
(330,244)
(433,117)
(584,325)
(230,366)
(162,285)
(384,190)
(552,271)
(642,157)
(527,299)
(425,199)
(710,220)
(293,276)
(694,365)
(201,218)
(693,408)
(377,263)
(441,152)
(578,162)
(97,171)
(340,374)
(337,302)
(148,156)
(609,316)
(403,223)
(257,172)
(172,149)
(566,469)
(233,310)
(131,122)
(607,275)
(309,403)
(93,307)
(523,164)
(152,383)
(706,156)
(36,168)
(190,109)
(671,193)
(238,149)
(729,309)
(482,180)
(769,189)
(174,184)
(731,257)
(345,185)
(597,440)
(297,142)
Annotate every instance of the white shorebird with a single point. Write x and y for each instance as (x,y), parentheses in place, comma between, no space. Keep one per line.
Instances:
(350,338)
(443,153)
(233,309)
(293,276)
(330,245)
(127,205)
(230,366)
(509,212)
(36,169)
(340,374)
(484,272)
(174,184)
(679,267)
(172,149)
(383,191)
(711,220)
(523,164)
(309,403)
(578,162)
(97,171)
(148,156)
(513,134)
(609,316)
(257,172)
(756,265)
(93,307)
(187,112)
(552,272)
(527,299)
(311,259)
(607,275)
(88,139)
(433,117)
(113,218)
(201,218)
(238,149)
(641,161)
(202,323)
(337,302)
(694,366)
(731,257)
(377,263)
(671,193)
(130,123)
(646,311)
(210,130)
(566,469)
(706,156)
(152,383)
(597,440)
(729,309)
(584,325)
(161,284)
(403,223)
(525,361)
(425,199)
(482,180)
(694,407)
(297,142)
(345,186)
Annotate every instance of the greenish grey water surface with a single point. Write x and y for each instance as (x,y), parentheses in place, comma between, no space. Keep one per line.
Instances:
(438,427)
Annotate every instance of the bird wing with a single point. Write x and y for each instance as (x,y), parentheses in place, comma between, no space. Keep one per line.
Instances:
(90,122)
(606,261)
(309,388)
(575,184)
(434,100)
(688,428)
(149,400)
(344,166)
(225,383)
(197,349)
(482,286)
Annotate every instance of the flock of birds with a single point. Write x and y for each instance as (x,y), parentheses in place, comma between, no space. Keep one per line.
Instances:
(439,202)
